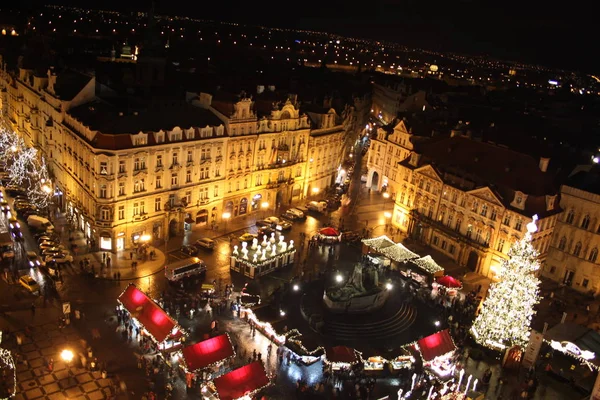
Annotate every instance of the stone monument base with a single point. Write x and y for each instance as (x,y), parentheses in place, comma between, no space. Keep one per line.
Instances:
(360,304)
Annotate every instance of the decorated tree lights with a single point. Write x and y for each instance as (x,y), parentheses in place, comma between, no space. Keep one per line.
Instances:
(505,317)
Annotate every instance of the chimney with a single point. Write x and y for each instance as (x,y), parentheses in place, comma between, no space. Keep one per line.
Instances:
(544,164)
(51,80)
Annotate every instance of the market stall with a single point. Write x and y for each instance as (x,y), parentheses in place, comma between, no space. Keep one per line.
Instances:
(243,382)
(151,319)
(401,359)
(207,354)
(376,245)
(339,357)
(259,259)
(437,351)
(423,270)
(399,253)
(374,365)
(328,235)
(450,284)
(575,357)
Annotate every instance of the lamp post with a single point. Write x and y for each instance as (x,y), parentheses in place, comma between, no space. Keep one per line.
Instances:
(226,216)
(67,356)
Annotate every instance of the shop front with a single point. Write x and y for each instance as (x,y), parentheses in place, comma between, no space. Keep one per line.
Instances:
(437,351)
(105,241)
(202,217)
(120,241)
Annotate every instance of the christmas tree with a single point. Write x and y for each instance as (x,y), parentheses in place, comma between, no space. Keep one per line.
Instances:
(506,313)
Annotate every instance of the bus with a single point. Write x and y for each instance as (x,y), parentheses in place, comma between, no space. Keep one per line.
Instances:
(184,268)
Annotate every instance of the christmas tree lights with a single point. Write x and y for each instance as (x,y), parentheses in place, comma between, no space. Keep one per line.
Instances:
(505,317)
(26,168)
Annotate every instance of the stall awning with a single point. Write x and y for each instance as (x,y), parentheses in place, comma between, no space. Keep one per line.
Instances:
(153,318)
(241,381)
(207,352)
(449,282)
(399,253)
(341,354)
(436,345)
(329,231)
(378,243)
(427,264)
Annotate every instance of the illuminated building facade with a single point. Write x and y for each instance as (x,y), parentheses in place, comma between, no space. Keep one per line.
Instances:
(130,173)
(467,199)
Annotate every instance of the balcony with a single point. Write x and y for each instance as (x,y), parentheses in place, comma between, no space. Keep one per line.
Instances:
(450,232)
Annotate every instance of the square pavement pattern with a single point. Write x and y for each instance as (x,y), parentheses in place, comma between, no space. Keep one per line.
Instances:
(35,381)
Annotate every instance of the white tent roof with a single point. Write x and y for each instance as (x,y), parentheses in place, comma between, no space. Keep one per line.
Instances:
(399,253)
(428,264)
(379,243)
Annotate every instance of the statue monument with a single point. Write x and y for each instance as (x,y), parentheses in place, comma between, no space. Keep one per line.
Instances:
(360,294)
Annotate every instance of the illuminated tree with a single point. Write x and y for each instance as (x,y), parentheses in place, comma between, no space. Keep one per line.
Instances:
(505,316)
(26,168)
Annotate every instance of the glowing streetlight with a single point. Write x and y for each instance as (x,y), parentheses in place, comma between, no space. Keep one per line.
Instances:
(226,216)
(387,214)
(264,205)
(296,287)
(145,238)
(386,195)
(315,190)
(389,286)
(67,356)
(339,278)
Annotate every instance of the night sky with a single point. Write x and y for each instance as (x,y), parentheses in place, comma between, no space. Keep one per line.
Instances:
(558,35)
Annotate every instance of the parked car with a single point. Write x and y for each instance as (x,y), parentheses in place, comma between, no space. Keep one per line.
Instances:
(52,250)
(265,230)
(247,237)
(189,250)
(29,283)
(299,214)
(264,222)
(283,226)
(289,217)
(60,258)
(34,259)
(319,206)
(205,243)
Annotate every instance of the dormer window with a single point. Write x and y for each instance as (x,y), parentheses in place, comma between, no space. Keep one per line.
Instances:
(160,137)
(141,139)
(519,200)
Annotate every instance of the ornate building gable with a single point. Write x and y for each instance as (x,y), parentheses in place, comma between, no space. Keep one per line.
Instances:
(485,193)
(430,172)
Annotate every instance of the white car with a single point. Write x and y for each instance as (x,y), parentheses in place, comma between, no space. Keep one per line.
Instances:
(60,258)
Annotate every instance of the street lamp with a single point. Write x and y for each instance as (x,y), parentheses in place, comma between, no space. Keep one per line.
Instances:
(339,278)
(67,356)
(226,216)
(264,205)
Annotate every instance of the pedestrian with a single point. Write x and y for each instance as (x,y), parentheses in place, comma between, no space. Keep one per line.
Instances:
(104,257)
(119,276)
(131,255)
(32,309)
(108,262)
(115,276)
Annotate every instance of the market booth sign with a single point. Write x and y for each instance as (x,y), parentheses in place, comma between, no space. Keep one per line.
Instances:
(573,349)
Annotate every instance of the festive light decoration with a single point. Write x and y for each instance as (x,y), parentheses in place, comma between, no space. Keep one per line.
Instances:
(427,264)
(505,318)
(26,168)
(7,362)
(399,253)
(379,243)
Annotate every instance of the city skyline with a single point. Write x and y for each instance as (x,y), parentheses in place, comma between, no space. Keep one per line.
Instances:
(527,34)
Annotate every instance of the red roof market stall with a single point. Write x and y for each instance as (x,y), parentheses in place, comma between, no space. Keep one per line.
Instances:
(449,282)
(437,350)
(340,356)
(244,381)
(207,353)
(150,317)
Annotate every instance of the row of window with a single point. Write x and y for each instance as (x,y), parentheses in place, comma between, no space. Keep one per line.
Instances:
(585,222)
(592,256)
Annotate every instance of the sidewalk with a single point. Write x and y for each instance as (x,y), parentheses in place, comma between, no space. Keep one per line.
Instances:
(45,341)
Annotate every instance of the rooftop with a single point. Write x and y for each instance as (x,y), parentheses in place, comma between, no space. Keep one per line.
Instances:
(102,116)
(587,180)
(488,164)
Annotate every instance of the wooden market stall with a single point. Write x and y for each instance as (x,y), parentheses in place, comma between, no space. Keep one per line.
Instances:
(239,383)
(437,351)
